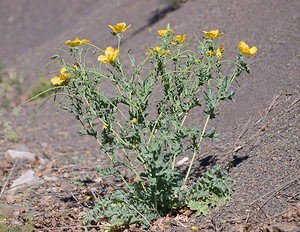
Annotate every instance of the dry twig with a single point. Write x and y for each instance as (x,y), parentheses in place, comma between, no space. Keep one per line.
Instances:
(4,186)
(137,212)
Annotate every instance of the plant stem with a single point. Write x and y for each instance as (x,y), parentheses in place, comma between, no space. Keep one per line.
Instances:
(101,120)
(133,169)
(195,153)
(113,162)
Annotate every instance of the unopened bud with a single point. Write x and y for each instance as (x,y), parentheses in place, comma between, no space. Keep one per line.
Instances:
(134,120)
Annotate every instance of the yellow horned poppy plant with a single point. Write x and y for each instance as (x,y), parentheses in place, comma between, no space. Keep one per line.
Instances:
(244,48)
(120,27)
(76,42)
(178,39)
(110,55)
(62,77)
(212,34)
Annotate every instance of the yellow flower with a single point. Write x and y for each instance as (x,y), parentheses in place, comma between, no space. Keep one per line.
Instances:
(56,81)
(212,34)
(62,77)
(244,48)
(120,27)
(219,50)
(134,120)
(110,55)
(178,39)
(104,127)
(181,211)
(163,33)
(76,72)
(209,53)
(194,227)
(157,49)
(76,42)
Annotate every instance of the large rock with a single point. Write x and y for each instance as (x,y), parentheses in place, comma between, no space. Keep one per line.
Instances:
(26,180)
(13,155)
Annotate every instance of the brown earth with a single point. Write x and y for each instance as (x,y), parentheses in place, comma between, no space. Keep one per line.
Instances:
(259,132)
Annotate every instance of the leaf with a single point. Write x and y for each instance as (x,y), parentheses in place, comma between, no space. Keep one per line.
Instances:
(213,135)
(199,207)
(54,56)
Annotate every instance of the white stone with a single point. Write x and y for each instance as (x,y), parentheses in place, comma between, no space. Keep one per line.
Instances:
(181,162)
(26,180)
(50,178)
(13,155)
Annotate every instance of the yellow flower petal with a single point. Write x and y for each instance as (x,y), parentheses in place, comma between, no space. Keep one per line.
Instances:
(217,36)
(110,55)
(84,41)
(103,58)
(56,81)
(178,39)
(219,50)
(62,70)
(162,33)
(112,27)
(244,48)
(63,73)
(134,120)
(120,27)
(209,53)
(156,50)
(253,50)
(62,77)
(212,34)
(109,51)
(125,29)
(76,42)
(115,54)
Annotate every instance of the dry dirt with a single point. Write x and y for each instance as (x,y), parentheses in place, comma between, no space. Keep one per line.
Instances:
(259,132)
